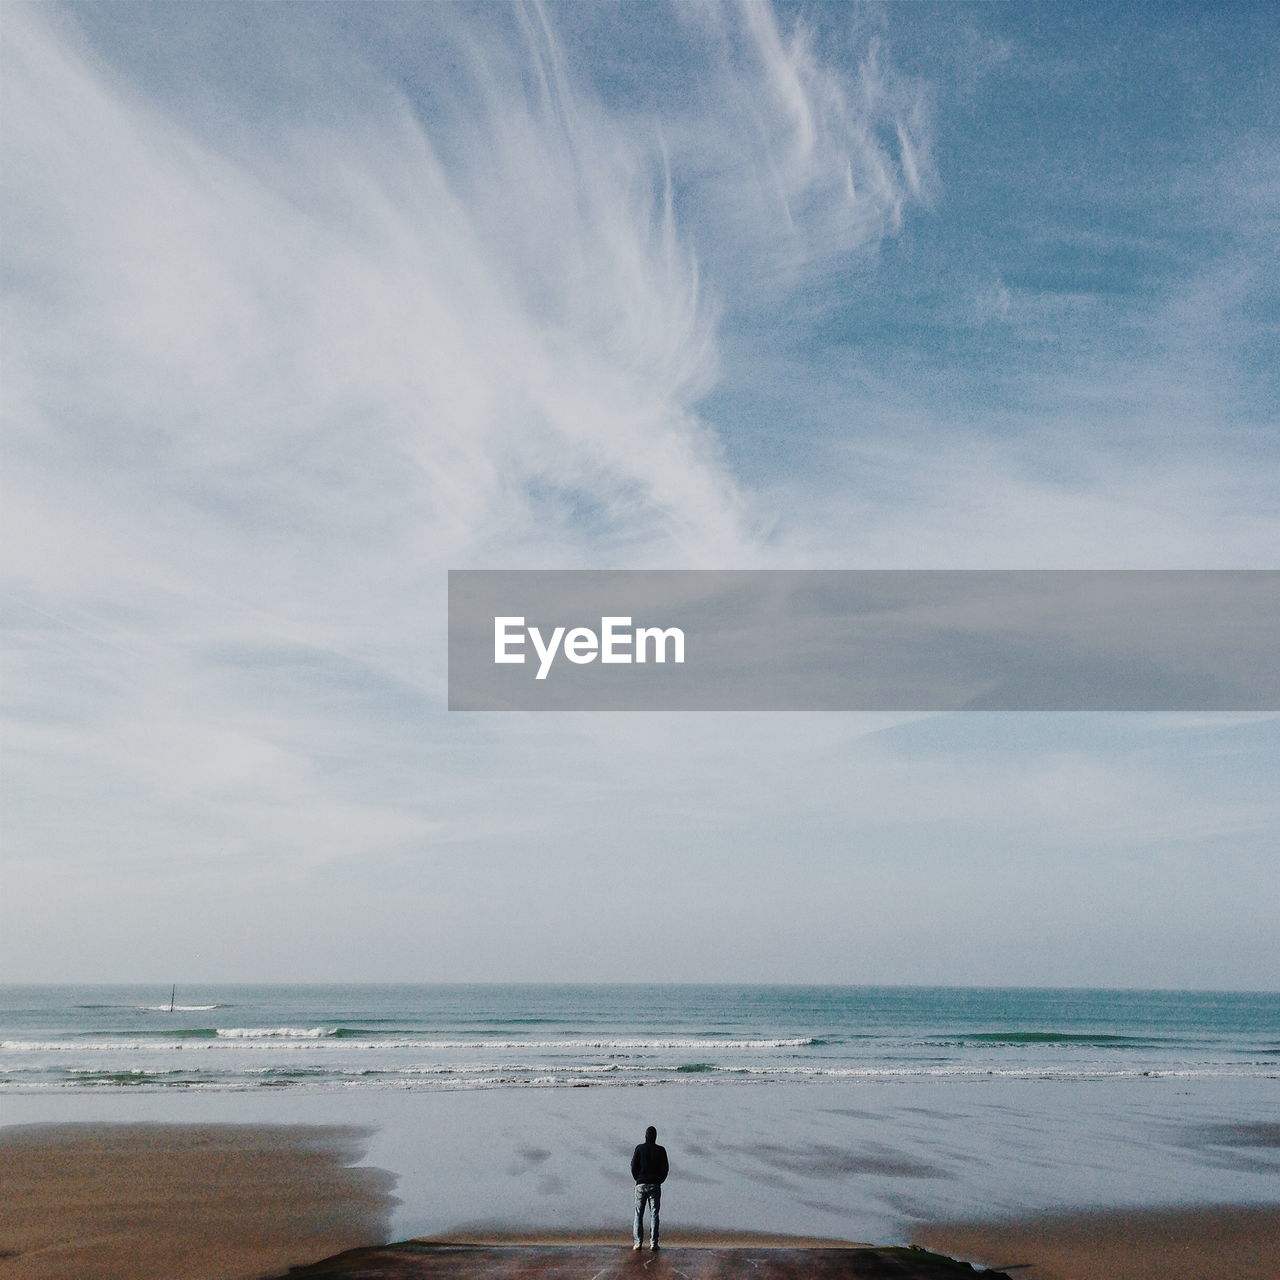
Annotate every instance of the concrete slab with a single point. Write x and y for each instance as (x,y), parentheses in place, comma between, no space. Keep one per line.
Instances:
(418,1260)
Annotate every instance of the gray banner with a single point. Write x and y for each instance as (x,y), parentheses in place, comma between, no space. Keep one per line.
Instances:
(864,640)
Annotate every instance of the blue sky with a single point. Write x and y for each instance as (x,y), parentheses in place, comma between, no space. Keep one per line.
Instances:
(307,304)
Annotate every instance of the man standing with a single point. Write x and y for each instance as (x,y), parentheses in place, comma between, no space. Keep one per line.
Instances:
(649,1169)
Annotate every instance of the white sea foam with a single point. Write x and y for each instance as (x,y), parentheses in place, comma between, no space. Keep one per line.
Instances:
(706,1046)
(315,1037)
(275,1033)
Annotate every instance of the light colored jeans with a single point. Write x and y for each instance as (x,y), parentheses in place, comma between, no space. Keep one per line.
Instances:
(647,1193)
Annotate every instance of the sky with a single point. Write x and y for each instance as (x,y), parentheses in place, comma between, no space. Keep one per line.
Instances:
(307,304)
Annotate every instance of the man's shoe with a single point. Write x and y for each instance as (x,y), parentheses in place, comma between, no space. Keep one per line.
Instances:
(635,1248)
(653,1248)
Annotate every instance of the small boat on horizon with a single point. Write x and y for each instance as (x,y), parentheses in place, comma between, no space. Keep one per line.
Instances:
(174,1007)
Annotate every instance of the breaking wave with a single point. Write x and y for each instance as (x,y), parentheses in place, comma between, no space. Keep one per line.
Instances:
(275,1033)
(346,1039)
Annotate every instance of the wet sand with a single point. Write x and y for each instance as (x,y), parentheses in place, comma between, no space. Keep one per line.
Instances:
(1242,1242)
(691,1237)
(799,1161)
(204,1202)
(239,1202)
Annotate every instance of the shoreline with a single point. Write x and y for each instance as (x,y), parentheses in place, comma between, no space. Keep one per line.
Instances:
(213,1201)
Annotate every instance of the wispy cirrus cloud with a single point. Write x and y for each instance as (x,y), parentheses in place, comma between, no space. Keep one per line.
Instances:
(280,354)
(307,304)
(800,160)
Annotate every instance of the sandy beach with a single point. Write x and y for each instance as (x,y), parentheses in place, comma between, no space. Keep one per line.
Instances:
(239,1202)
(202,1202)
(1242,1242)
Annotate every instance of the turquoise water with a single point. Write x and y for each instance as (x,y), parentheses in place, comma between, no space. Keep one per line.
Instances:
(425,1037)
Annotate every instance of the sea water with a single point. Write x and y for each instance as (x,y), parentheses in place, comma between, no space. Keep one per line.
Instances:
(853,1112)
(507,1036)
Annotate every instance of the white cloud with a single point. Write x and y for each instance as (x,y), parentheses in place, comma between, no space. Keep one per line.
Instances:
(797,160)
(265,385)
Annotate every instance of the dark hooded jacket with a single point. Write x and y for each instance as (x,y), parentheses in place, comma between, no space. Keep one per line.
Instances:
(649,1164)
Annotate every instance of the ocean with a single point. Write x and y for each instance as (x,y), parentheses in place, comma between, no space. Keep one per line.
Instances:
(850,1112)
(487,1036)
